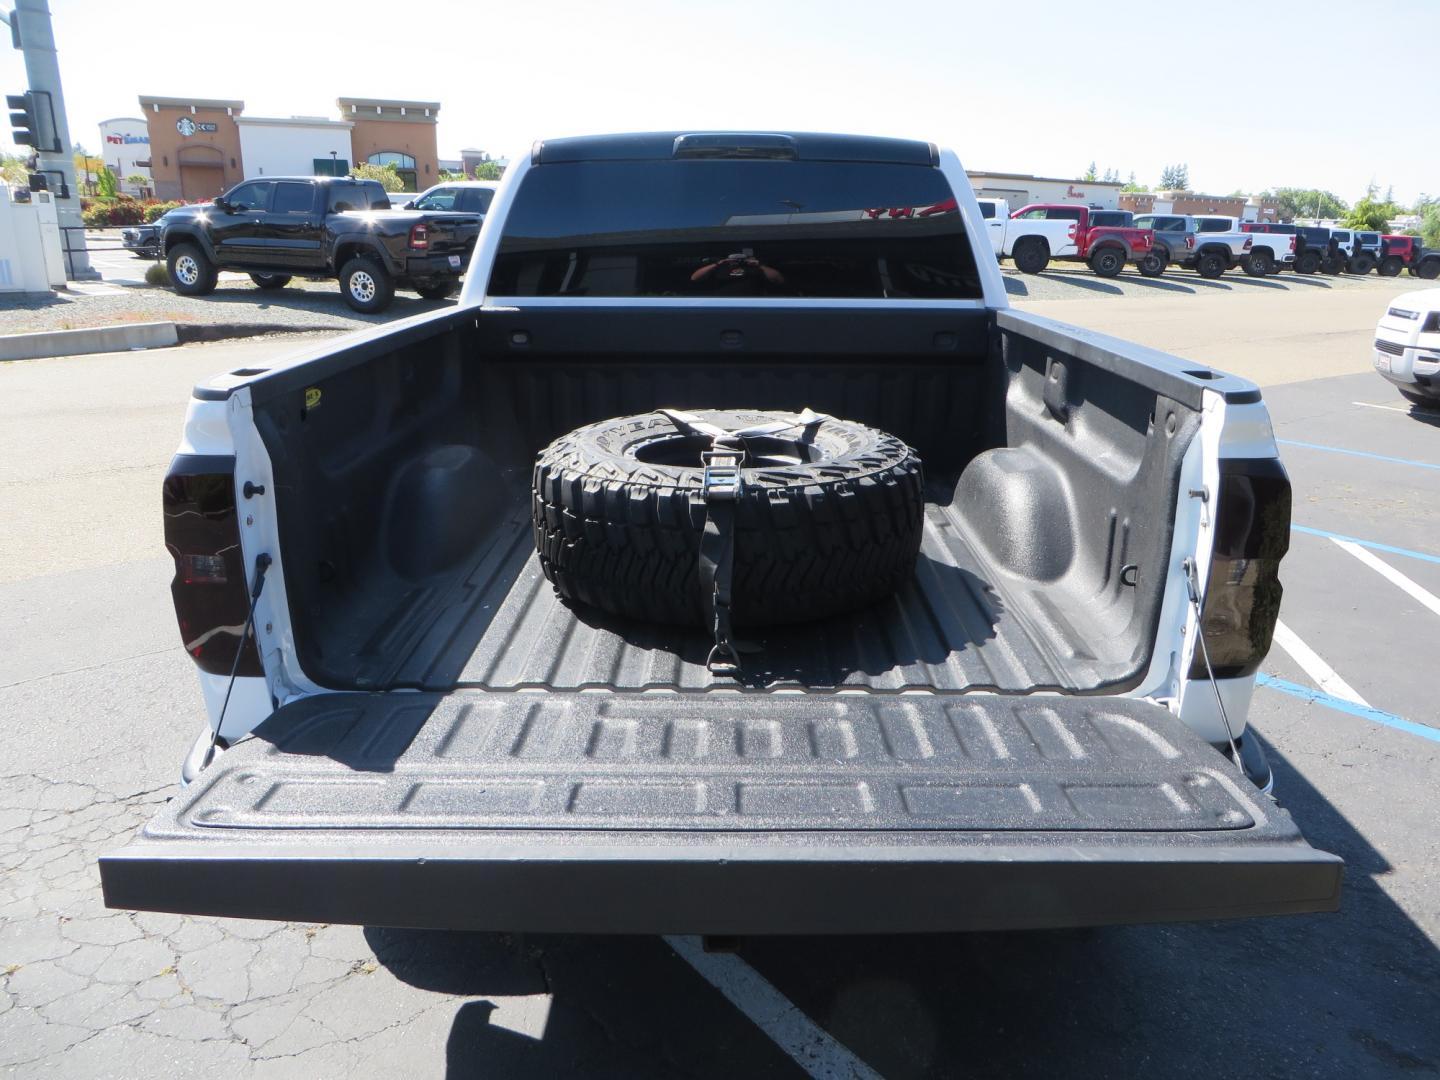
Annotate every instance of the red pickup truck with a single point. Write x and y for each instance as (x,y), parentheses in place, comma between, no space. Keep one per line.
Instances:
(1037,233)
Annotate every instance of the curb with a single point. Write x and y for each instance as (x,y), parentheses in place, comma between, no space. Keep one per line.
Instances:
(193,333)
(130,336)
(99,339)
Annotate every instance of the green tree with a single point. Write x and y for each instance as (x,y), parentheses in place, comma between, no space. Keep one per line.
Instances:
(1430,224)
(1090,174)
(1307,202)
(86,167)
(1131,185)
(386,174)
(1175,178)
(13,171)
(138,180)
(1371,214)
(105,183)
(489,170)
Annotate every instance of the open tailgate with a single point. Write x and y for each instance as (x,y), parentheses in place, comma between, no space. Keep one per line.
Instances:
(720,813)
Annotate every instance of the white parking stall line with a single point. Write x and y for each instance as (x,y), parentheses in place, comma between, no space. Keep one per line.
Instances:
(1323,674)
(1385,570)
(809,1045)
(1377,405)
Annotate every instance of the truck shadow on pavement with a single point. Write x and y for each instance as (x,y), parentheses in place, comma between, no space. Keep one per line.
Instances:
(1351,994)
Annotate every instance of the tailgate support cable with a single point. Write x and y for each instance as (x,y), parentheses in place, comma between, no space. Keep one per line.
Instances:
(1192,584)
(262,563)
(720,490)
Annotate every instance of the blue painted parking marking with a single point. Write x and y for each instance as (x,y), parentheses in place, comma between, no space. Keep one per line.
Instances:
(1319,697)
(1359,453)
(1373,545)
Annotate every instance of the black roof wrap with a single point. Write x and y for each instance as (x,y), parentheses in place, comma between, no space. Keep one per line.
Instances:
(808,146)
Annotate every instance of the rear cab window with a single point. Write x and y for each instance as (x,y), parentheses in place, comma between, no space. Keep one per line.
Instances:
(291,198)
(715,228)
(476,200)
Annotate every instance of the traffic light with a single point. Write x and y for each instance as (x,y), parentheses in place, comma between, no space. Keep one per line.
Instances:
(32,118)
(22,118)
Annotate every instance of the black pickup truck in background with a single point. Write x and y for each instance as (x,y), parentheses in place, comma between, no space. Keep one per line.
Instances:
(319,228)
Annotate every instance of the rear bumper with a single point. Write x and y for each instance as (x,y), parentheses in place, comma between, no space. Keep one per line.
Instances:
(436,266)
(572,884)
(721,814)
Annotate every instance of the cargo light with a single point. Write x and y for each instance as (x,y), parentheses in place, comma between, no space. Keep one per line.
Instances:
(1242,597)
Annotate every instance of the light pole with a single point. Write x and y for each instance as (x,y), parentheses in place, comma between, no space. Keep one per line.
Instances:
(32,33)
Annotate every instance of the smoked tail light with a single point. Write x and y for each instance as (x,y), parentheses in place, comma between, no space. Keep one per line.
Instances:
(202,534)
(419,236)
(1242,596)
(1249,243)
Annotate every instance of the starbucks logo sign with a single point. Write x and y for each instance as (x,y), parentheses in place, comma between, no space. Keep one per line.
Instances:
(185,126)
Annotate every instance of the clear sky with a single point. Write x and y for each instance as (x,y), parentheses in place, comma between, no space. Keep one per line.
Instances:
(1044,87)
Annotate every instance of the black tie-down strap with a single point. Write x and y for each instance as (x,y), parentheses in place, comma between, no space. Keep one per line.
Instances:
(720,489)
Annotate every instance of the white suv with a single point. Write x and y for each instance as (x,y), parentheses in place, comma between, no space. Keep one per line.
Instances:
(1407,346)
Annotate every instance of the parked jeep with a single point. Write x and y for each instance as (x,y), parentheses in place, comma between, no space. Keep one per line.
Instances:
(1402,252)
(319,228)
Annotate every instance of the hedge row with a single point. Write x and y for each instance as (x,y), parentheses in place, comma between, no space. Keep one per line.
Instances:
(103,213)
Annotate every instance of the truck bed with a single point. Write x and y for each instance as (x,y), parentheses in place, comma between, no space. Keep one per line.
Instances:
(957,626)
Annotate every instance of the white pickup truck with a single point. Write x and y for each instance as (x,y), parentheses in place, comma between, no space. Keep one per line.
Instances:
(459,588)
(1035,238)
(1102,239)
(1269,252)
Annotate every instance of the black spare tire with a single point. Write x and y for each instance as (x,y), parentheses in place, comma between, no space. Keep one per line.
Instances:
(828,517)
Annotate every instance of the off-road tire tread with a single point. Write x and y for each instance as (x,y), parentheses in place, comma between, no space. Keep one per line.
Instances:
(627,541)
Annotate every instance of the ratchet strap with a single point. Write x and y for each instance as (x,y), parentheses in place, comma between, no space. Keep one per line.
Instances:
(721,487)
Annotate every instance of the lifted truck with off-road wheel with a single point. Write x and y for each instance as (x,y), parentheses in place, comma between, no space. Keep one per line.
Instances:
(1037,233)
(279,228)
(731,560)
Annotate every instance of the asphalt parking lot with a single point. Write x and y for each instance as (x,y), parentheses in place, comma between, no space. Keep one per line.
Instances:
(100,704)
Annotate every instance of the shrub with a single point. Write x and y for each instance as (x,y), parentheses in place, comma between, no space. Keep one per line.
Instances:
(157,274)
(155,210)
(107,214)
(387,175)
